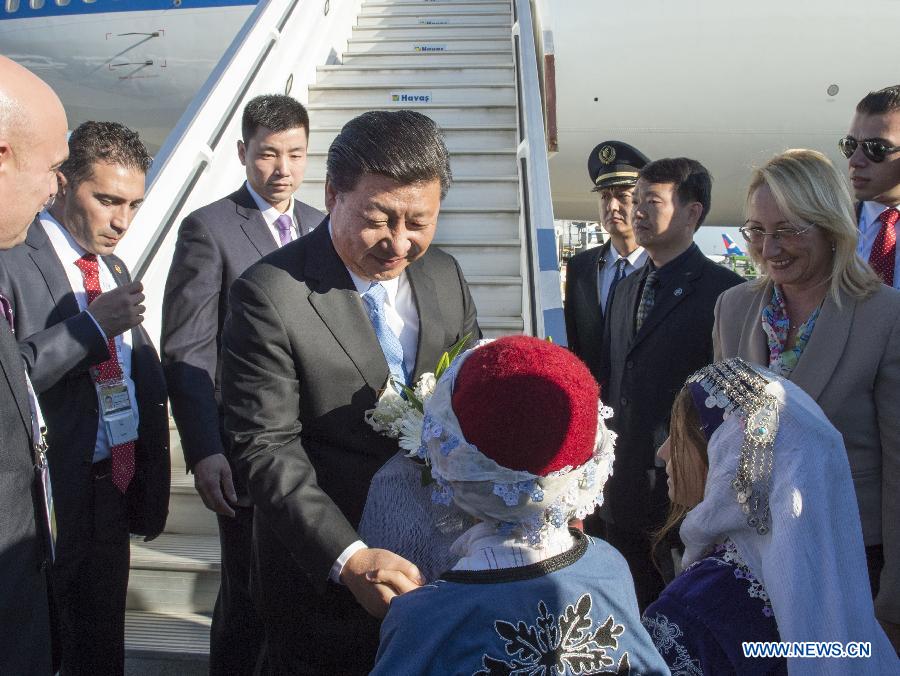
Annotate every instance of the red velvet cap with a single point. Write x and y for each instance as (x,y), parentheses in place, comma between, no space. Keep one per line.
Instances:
(527,404)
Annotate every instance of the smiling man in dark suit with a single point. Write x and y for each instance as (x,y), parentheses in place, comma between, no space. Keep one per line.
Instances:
(659,331)
(313,332)
(215,245)
(101,387)
(32,147)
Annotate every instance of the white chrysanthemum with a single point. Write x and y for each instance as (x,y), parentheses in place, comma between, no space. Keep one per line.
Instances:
(425,387)
(410,430)
(389,409)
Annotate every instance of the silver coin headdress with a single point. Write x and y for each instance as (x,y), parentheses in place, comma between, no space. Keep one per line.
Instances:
(734,386)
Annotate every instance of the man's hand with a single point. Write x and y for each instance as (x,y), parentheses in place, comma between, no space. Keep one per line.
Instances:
(375,576)
(119,310)
(212,479)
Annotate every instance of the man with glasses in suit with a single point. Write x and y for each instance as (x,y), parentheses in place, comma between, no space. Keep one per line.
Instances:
(872,147)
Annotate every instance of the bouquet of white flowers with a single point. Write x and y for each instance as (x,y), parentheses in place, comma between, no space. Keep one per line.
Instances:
(400,410)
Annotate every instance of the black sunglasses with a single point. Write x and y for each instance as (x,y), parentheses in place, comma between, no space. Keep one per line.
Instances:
(873,149)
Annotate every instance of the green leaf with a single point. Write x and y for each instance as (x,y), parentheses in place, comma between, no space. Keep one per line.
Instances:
(442,366)
(459,346)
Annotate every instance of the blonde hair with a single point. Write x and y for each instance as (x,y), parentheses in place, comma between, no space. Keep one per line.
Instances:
(808,189)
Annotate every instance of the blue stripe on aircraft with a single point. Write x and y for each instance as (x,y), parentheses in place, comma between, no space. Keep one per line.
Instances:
(76,7)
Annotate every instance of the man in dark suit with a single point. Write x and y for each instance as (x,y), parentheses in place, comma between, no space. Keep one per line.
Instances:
(313,332)
(593,275)
(215,245)
(100,386)
(872,147)
(28,164)
(659,331)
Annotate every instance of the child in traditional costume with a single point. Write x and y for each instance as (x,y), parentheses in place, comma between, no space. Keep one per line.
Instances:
(513,437)
(773,543)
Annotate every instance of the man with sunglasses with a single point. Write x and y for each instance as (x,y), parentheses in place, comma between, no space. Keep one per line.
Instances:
(873,148)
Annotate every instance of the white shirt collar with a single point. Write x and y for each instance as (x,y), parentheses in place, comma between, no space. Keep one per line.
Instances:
(870,212)
(632,258)
(63,243)
(269,213)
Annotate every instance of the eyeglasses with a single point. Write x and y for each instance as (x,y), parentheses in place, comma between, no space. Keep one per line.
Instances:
(756,235)
(874,149)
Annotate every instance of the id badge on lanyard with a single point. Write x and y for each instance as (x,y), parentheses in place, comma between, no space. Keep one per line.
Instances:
(117,411)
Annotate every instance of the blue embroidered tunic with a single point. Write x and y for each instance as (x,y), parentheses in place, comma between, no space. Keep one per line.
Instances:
(575,613)
(701,619)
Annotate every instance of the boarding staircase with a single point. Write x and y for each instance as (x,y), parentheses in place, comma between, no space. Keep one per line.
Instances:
(453,60)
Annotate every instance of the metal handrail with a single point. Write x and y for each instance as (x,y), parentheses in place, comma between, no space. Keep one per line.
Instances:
(277,50)
(543,294)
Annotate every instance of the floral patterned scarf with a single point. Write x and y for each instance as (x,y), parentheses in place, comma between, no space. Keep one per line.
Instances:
(777,324)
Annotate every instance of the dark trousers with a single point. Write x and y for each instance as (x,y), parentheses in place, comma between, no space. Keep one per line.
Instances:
(636,547)
(90,581)
(236,637)
(308,630)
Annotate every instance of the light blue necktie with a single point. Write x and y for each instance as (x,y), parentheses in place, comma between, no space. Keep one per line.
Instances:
(374,298)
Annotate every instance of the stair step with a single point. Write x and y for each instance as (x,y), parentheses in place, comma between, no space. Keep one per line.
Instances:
(428,44)
(493,191)
(414,96)
(183,636)
(469,114)
(174,572)
(475,223)
(187,513)
(496,295)
(435,7)
(421,75)
(458,139)
(414,59)
(431,19)
(431,33)
(494,327)
(473,163)
(486,258)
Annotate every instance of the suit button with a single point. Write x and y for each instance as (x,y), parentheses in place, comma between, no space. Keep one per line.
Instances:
(624,401)
(629,364)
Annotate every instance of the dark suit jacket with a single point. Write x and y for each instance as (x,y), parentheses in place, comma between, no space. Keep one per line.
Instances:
(643,372)
(24,609)
(216,243)
(584,316)
(301,366)
(59,344)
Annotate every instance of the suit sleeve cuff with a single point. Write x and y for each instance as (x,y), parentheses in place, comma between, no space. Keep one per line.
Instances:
(338,567)
(96,323)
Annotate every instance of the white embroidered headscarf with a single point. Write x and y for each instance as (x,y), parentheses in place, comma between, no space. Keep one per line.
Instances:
(811,561)
(527,505)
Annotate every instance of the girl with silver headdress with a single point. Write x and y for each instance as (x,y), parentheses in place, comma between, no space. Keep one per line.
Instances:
(773,543)
(513,437)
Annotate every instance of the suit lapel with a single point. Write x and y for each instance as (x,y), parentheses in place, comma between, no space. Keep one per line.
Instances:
(14,370)
(338,304)
(753,341)
(826,345)
(48,264)
(591,283)
(431,334)
(253,224)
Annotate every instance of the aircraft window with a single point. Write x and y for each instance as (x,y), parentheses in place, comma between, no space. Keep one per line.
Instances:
(12,6)
(62,3)
(36,4)
(88,2)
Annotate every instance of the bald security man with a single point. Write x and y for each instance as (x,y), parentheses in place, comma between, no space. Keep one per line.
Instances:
(32,147)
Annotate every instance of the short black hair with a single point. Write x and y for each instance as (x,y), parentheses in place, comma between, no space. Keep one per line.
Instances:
(403,145)
(109,142)
(691,179)
(273,111)
(879,102)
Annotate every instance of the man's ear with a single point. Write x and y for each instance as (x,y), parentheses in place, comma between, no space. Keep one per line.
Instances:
(242,152)
(330,196)
(62,185)
(695,210)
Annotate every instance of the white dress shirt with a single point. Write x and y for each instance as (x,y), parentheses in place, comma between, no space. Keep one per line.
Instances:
(869,227)
(68,251)
(633,262)
(270,214)
(403,319)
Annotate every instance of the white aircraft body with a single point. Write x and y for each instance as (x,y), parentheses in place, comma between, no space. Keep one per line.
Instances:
(138,62)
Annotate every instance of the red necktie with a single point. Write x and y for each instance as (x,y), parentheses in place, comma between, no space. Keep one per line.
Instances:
(884,250)
(122,456)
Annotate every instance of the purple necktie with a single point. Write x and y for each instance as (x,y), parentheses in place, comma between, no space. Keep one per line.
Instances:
(283,223)
(6,309)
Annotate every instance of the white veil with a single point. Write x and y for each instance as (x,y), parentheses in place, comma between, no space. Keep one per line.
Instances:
(812,561)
